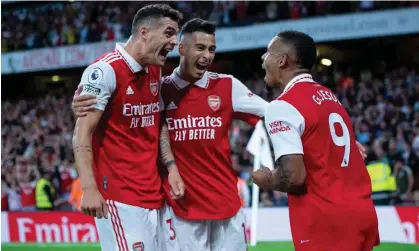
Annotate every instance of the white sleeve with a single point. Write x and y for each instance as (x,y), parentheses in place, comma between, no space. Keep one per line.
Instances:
(99,79)
(245,101)
(285,125)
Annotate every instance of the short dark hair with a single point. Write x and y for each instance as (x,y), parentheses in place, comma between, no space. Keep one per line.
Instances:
(303,45)
(198,24)
(154,11)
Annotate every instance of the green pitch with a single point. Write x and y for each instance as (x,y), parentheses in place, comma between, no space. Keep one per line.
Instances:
(263,246)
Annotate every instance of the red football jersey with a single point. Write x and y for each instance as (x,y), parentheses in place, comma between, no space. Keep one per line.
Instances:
(27,194)
(198,117)
(125,142)
(308,119)
(66,180)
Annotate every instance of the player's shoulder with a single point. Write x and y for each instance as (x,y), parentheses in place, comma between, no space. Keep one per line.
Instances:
(167,81)
(300,91)
(98,72)
(219,76)
(104,64)
(224,78)
(281,106)
(111,59)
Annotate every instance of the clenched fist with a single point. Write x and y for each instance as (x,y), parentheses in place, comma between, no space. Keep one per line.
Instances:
(263,178)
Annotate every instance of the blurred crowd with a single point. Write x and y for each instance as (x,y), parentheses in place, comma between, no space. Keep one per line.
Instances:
(36,143)
(40,24)
(37,133)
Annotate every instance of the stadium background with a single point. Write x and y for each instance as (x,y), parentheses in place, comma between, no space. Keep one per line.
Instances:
(368,53)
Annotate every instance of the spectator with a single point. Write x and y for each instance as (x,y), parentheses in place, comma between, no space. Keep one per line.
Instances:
(4,197)
(405,181)
(66,23)
(75,195)
(383,183)
(27,191)
(45,192)
(13,196)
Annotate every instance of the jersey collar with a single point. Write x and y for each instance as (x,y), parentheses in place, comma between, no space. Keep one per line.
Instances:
(298,79)
(130,61)
(180,83)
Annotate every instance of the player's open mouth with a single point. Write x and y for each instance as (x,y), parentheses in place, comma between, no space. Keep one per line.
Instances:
(163,54)
(201,66)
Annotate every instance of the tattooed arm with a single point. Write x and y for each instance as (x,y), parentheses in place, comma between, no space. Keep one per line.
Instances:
(177,187)
(166,154)
(290,174)
(284,125)
(82,146)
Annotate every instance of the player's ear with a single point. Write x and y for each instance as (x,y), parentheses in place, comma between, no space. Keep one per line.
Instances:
(181,49)
(143,32)
(282,60)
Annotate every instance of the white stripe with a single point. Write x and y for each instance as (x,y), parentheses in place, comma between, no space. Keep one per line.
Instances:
(115,226)
(109,55)
(113,60)
(118,217)
(110,58)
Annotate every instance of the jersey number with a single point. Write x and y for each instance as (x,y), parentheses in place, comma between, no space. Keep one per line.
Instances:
(172,230)
(344,140)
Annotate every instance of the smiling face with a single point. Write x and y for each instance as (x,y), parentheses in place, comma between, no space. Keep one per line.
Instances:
(160,38)
(197,51)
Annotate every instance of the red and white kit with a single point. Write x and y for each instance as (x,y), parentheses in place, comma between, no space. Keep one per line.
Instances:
(125,151)
(198,117)
(336,213)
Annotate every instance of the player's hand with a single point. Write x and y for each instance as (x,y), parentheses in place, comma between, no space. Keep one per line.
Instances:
(362,150)
(177,187)
(93,204)
(82,104)
(262,177)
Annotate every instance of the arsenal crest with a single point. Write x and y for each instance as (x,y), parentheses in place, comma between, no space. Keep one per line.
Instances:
(214,102)
(154,87)
(138,246)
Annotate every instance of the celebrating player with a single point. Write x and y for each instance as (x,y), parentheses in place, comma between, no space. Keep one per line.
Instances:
(318,163)
(199,109)
(116,145)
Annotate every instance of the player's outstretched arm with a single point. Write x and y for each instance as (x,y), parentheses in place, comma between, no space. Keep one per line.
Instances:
(177,187)
(247,106)
(92,201)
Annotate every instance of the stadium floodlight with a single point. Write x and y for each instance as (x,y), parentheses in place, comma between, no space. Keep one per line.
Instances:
(326,62)
(55,78)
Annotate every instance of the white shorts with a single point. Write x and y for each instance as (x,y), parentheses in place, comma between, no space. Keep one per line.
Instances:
(211,235)
(131,228)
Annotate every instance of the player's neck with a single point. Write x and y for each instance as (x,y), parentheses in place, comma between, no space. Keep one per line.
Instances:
(135,53)
(183,74)
(287,76)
